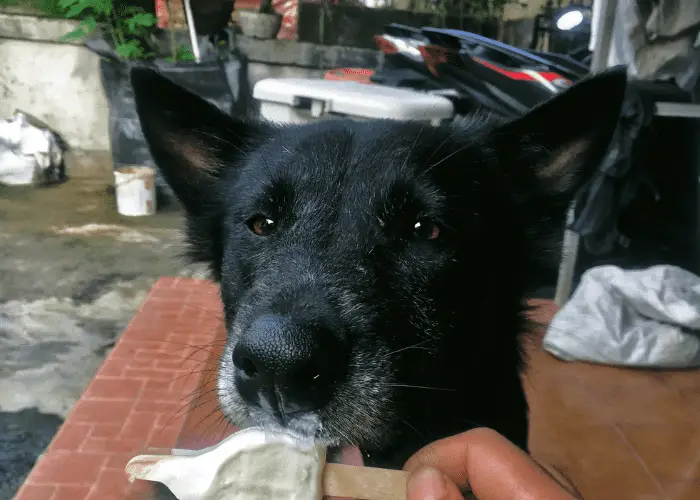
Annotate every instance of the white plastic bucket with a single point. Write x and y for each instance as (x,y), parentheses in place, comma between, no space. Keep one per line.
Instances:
(136,190)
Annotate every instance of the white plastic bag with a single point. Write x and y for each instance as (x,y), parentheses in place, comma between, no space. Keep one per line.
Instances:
(643,318)
(29,152)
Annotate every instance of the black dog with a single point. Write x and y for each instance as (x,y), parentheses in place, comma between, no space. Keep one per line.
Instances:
(374,273)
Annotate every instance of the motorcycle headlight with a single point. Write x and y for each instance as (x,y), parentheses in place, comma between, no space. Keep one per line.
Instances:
(569,20)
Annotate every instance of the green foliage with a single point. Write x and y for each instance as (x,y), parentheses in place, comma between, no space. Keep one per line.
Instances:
(128,27)
(182,53)
(132,49)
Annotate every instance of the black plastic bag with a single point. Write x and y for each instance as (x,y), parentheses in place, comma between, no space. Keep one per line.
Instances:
(219,77)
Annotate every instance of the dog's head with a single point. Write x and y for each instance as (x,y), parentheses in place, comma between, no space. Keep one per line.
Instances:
(373,273)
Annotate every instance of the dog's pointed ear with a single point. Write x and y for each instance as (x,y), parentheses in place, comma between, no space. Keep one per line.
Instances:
(190,140)
(555,148)
(548,154)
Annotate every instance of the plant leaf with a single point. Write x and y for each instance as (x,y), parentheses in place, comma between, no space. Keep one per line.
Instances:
(129,10)
(76,9)
(74,35)
(143,20)
(90,24)
(184,53)
(101,6)
(130,50)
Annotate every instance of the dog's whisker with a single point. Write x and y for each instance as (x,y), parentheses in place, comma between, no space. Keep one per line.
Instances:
(218,138)
(445,141)
(414,346)
(415,141)
(453,153)
(428,388)
(420,434)
(347,438)
(472,424)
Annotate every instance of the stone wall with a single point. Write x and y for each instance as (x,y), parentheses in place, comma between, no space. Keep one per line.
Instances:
(56,82)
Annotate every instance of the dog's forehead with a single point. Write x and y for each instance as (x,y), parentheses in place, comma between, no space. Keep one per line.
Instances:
(367,161)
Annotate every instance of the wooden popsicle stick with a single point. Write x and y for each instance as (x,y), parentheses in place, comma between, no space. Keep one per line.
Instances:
(364,483)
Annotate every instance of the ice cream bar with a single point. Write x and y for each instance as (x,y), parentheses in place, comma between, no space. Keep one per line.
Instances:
(256,464)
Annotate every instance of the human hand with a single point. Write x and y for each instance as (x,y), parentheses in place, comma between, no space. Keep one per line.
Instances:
(485,463)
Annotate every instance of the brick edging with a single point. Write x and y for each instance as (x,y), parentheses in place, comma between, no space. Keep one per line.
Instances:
(140,398)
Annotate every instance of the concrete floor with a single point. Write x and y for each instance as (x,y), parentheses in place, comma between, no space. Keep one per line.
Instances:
(72,274)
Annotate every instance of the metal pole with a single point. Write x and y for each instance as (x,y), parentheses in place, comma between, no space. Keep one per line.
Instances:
(601,49)
(569,252)
(567,264)
(192,30)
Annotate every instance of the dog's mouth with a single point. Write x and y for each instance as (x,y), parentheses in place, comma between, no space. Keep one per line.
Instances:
(348,455)
(307,428)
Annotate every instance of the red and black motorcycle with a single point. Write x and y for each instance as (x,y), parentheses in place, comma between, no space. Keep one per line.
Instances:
(472,70)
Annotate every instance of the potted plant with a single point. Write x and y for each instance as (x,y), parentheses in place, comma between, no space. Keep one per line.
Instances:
(124,34)
(263,23)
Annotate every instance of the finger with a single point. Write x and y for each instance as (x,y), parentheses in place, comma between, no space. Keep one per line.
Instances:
(428,483)
(562,478)
(490,465)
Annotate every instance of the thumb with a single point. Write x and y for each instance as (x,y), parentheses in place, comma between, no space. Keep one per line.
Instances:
(428,483)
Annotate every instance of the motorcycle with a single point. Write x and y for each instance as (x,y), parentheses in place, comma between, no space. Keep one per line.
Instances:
(472,70)
(476,72)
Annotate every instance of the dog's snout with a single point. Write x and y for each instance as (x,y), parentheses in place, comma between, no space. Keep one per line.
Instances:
(286,367)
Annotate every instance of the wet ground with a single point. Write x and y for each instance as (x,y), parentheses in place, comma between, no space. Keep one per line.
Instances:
(72,274)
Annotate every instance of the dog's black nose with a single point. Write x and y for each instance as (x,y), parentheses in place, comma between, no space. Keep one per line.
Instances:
(284,367)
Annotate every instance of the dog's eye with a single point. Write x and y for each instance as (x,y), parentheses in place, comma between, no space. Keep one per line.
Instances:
(425,229)
(261,225)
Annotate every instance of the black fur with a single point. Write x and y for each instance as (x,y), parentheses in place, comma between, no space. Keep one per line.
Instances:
(433,324)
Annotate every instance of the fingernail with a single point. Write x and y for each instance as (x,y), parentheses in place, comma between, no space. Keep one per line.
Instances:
(427,484)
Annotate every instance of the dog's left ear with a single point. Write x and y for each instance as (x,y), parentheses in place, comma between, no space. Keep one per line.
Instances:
(191,141)
(551,152)
(556,147)
(194,145)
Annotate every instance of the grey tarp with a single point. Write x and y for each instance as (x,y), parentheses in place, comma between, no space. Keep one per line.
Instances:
(641,318)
